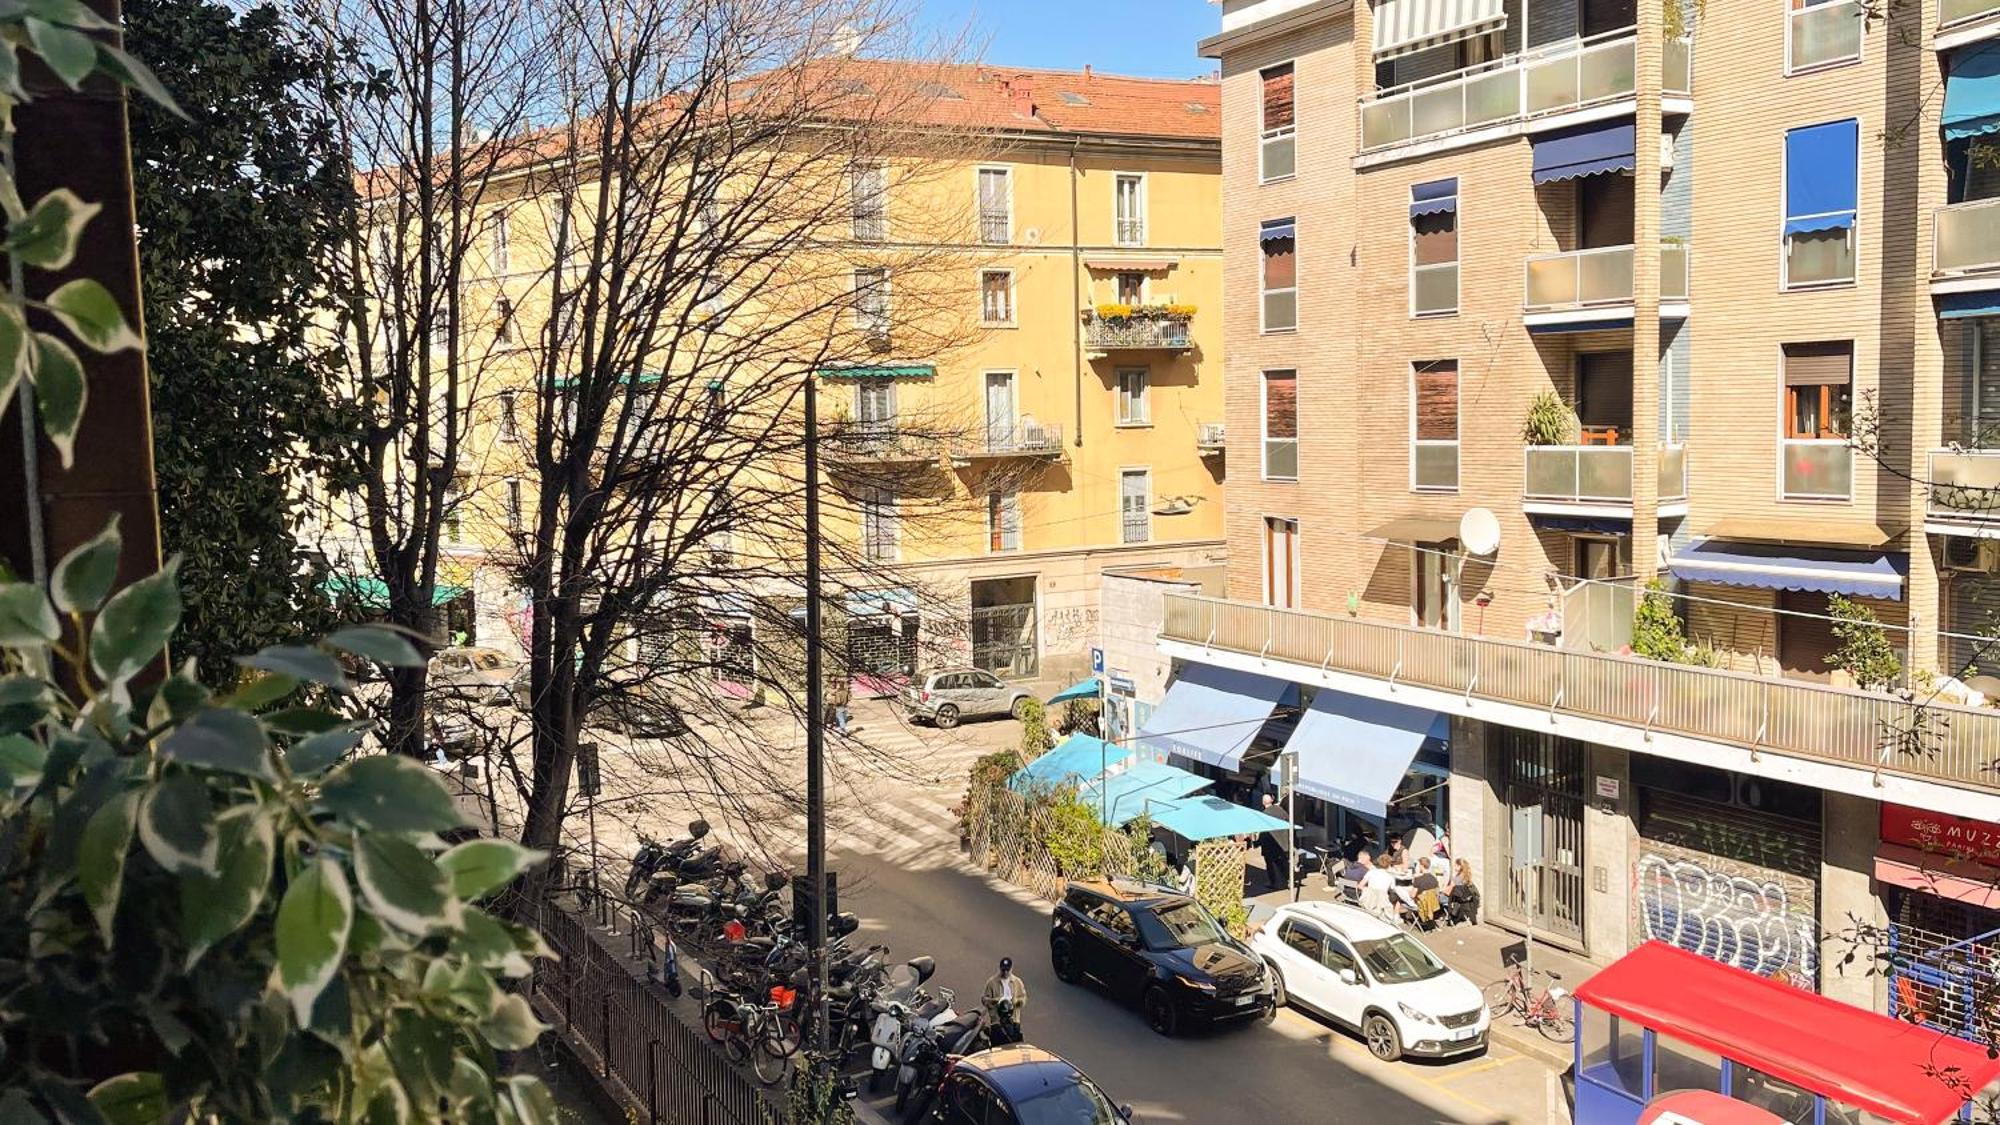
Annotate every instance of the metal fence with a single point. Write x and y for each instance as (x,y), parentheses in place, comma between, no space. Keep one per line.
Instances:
(627,1031)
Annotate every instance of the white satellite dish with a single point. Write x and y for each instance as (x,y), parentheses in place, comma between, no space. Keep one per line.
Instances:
(1479,531)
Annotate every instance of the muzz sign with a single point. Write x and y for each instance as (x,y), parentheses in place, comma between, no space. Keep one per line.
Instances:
(1761,921)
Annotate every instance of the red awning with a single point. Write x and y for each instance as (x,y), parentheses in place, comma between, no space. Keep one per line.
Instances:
(1855,1057)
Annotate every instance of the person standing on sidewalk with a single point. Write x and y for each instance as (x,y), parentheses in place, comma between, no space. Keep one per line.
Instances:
(1005,996)
(1277,868)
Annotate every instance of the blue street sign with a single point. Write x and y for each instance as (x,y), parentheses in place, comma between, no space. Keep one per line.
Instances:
(1097,661)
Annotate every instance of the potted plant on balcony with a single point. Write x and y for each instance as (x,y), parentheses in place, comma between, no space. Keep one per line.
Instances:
(1551,421)
(1116,313)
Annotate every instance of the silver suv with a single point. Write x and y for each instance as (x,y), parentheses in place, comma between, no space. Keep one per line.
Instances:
(950,695)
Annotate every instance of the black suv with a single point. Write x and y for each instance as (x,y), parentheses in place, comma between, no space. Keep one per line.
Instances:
(1160,948)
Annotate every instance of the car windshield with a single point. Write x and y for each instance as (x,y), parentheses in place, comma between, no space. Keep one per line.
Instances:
(1181,924)
(1397,959)
(1078,1103)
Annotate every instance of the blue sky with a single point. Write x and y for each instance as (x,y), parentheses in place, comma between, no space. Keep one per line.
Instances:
(1150,37)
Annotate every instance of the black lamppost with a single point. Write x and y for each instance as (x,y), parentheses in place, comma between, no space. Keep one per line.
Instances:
(815,733)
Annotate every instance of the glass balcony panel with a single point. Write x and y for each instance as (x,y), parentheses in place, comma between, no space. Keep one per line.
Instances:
(1551,471)
(1608,71)
(1437,465)
(1439,109)
(1818,257)
(1435,288)
(1605,276)
(1965,485)
(1552,84)
(1605,473)
(1826,33)
(1281,310)
(1673,272)
(1493,97)
(1818,468)
(1967,236)
(1385,123)
(1551,282)
(1678,67)
(1673,483)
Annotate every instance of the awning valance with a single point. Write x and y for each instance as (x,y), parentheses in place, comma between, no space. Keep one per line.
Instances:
(1575,327)
(1960,306)
(370,592)
(1277,229)
(1129,265)
(1768,566)
(1354,750)
(1434,198)
(1403,27)
(1416,529)
(1822,177)
(1972,92)
(1605,526)
(1080,758)
(1212,714)
(1585,150)
(880,371)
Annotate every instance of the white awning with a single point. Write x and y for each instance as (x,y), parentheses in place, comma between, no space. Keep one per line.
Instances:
(1406,26)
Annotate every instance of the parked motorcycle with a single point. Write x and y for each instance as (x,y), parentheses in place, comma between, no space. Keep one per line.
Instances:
(901,1006)
(654,856)
(926,1053)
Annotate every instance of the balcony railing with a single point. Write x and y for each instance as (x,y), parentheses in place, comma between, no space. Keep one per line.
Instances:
(1550,80)
(1597,614)
(1595,474)
(1581,279)
(1209,437)
(1965,237)
(1136,334)
(1952,12)
(1817,468)
(1844,727)
(1964,485)
(876,441)
(1026,439)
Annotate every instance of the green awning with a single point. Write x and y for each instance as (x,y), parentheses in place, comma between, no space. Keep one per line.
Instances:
(650,379)
(880,371)
(371,592)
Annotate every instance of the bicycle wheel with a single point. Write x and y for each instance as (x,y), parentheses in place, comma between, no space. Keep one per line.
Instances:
(718,1019)
(769,1061)
(1500,998)
(1557,1021)
(737,1047)
(785,1038)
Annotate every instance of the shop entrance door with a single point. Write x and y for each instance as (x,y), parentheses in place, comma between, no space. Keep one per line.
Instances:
(1544,785)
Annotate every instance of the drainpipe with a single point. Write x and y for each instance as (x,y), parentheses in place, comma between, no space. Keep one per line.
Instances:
(1076,291)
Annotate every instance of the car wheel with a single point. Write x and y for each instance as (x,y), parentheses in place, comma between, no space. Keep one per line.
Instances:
(1159,1009)
(1062,959)
(1020,708)
(1279,997)
(1380,1033)
(946,718)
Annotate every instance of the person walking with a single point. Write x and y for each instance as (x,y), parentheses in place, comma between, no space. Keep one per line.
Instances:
(1005,996)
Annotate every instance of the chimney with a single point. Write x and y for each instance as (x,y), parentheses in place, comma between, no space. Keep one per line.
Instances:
(1086,72)
(1021,96)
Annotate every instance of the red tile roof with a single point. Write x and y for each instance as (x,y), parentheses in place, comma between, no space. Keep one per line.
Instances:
(983,96)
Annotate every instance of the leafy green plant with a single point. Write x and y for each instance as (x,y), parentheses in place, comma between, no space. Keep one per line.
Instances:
(1074,837)
(1656,628)
(1865,652)
(1148,866)
(1550,421)
(1036,738)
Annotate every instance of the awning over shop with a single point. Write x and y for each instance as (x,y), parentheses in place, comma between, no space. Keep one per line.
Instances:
(1416,529)
(1960,306)
(1136,788)
(1354,750)
(1822,179)
(370,592)
(1437,197)
(880,371)
(1079,758)
(1768,566)
(1605,526)
(1212,714)
(893,602)
(1972,92)
(1205,818)
(1584,150)
(1403,27)
(1078,691)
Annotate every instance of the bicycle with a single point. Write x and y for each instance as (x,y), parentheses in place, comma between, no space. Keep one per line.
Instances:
(1548,1010)
(763,1035)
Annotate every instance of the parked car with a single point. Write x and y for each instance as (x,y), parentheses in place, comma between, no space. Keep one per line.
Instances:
(1022,1085)
(950,695)
(479,674)
(1160,949)
(1361,971)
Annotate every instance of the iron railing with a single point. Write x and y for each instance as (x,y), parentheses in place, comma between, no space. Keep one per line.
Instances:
(1135,333)
(1853,728)
(1026,439)
(1965,237)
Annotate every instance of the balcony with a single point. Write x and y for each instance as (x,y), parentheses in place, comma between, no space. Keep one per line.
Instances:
(1042,440)
(1836,726)
(1515,94)
(1817,468)
(1209,438)
(1597,614)
(1964,492)
(1596,480)
(1103,333)
(1965,247)
(1596,284)
(851,441)
(1966,21)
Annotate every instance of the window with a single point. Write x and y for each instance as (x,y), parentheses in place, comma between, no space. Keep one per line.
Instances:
(1821,33)
(452,520)
(1132,407)
(1303,940)
(878,525)
(1340,959)
(996,206)
(1434,248)
(1280,283)
(1822,187)
(1135,504)
(996,296)
(1131,288)
(868,194)
(1614,1052)
(510,421)
(1281,562)
(871,302)
(1819,407)
(1434,418)
(503,330)
(513,505)
(1003,521)
(1281,425)
(1278,155)
(875,408)
(1130,192)
(496,233)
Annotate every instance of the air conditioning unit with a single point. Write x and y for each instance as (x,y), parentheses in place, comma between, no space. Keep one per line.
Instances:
(1971,556)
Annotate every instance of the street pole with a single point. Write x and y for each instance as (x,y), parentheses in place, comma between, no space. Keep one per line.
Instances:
(1288,775)
(815,734)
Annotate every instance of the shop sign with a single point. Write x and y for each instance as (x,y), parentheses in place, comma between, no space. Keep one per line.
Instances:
(1941,834)
(1607,788)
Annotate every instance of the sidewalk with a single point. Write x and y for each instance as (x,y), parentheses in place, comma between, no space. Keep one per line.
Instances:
(1476,952)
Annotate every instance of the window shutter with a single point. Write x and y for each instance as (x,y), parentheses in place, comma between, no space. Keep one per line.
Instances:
(1817,364)
(1281,270)
(1437,400)
(1279,108)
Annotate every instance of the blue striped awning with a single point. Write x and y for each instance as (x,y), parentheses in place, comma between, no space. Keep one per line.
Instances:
(1972,92)
(1404,27)
(1769,566)
(1354,750)
(1437,197)
(1959,306)
(1275,229)
(1585,150)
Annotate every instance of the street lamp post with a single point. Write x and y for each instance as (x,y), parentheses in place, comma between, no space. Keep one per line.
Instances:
(815,732)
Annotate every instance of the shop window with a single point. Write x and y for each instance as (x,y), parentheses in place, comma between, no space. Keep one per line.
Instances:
(1678,1066)
(1614,1052)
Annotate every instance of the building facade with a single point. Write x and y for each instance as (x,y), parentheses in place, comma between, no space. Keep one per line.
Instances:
(1531,305)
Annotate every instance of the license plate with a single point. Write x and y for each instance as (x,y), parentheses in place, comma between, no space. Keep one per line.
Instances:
(1464,1033)
(1246,999)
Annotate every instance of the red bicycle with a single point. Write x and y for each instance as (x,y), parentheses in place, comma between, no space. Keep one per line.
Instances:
(1547,1008)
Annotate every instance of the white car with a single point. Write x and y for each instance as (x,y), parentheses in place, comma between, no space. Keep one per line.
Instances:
(1345,963)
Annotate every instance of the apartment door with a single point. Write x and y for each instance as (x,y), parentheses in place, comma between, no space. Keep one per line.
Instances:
(999,409)
(1436,599)
(1805,636)
(1604,397)
(1544,779)
(1281,562)
(1004,638)
(1604,211)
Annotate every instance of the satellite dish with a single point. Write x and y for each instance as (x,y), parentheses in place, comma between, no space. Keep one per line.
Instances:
(1479,531)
